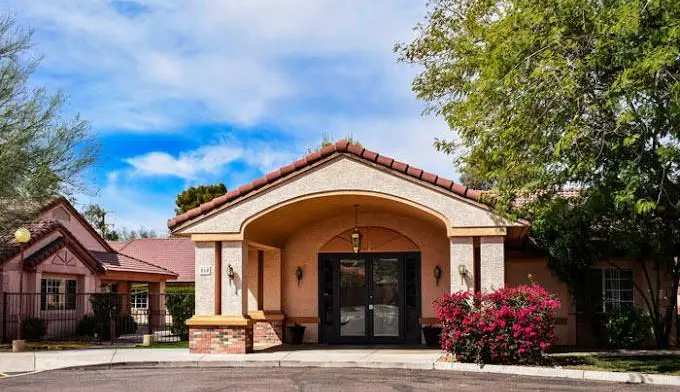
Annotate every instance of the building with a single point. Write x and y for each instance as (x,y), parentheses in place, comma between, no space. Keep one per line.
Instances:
(355,246)
(174,253)
(65,261)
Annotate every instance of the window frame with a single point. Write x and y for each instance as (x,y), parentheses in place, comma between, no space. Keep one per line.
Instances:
(136,296)
(61,291)
(614,296)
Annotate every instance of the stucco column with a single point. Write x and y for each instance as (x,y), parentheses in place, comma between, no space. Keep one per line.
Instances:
(235,289)
(252,279)
(272,277)
(492,263)
(205,284)
(123,289)
(462,253)
(156,305)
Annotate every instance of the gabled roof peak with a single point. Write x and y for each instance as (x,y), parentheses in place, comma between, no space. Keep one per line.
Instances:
(341,146)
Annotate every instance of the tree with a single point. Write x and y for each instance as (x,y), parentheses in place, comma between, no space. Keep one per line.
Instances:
(96,215)
(475,183)
(327,140)
(196,195)
(127,235)
(43,152)
(551,94)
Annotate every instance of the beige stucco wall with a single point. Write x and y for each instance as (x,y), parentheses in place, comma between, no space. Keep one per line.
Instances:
(302,248)
(348,174)
(492,265)
(234,297)
(252,279)
(205,284)
(272,280)
(461,250)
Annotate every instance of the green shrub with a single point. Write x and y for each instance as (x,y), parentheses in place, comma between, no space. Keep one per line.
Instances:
(33,328)
(627,327)
(180,305)
(107,307)
(125,325)
(87,326)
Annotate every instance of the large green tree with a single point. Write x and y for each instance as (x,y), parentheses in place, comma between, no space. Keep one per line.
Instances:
(196,195)
(554,94)
(43,152)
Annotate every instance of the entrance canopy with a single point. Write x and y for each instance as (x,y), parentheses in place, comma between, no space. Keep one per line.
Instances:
(420,235)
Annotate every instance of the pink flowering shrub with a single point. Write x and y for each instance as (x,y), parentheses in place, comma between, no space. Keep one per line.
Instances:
(510,325)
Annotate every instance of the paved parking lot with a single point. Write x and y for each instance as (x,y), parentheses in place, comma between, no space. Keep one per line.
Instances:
(300,379)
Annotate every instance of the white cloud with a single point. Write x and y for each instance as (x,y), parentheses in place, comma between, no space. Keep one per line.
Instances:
(301,67)
(212,160)
(240,62)
(187,165)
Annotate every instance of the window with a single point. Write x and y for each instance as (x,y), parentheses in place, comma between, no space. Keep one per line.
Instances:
(617,288)
(57,294)
(139,299)
(109,288)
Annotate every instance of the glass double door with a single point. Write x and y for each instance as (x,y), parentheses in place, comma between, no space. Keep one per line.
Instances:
(365,298)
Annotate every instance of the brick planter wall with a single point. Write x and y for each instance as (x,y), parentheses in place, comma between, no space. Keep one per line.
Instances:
(221,340)
(268,332)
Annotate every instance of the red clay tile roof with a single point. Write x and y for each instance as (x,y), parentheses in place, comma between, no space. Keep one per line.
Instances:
(342,146)
(59,243)
(175,254)
(113,261)
(10,248)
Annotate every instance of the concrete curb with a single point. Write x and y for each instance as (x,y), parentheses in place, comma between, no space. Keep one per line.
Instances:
(591,375)
(27,363)
(619,377)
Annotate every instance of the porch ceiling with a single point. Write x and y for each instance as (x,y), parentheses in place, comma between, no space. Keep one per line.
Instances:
(274,227)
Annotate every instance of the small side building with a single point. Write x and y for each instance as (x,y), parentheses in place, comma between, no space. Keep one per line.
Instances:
(65,262)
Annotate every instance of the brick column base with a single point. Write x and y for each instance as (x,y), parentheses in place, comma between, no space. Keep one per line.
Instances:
(268,332)
(221,339)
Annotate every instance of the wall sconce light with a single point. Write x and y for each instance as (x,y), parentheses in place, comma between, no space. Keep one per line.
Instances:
(462,270)
(230,272)
(298,274)
(437,274)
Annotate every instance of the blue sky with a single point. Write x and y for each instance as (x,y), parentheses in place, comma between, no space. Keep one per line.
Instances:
(189,92)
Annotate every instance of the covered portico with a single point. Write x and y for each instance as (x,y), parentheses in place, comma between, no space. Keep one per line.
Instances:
(350,244)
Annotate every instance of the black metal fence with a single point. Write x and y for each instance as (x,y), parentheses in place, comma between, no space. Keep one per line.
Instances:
(97,317)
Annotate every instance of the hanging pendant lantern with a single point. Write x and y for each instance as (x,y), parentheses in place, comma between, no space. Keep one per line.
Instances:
(356,235)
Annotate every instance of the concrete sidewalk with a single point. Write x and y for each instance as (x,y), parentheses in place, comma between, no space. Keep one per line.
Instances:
(319,356)
(373,358)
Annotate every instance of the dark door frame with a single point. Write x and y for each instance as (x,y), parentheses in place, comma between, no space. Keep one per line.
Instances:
(405,336)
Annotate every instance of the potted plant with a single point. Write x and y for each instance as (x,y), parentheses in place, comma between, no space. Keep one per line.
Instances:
(296,333)
(432,333)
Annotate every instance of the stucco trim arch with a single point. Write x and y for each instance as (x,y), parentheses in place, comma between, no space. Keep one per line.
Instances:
(374,239)
(318,195)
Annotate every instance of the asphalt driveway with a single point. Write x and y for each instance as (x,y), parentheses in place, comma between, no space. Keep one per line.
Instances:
(299,379)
